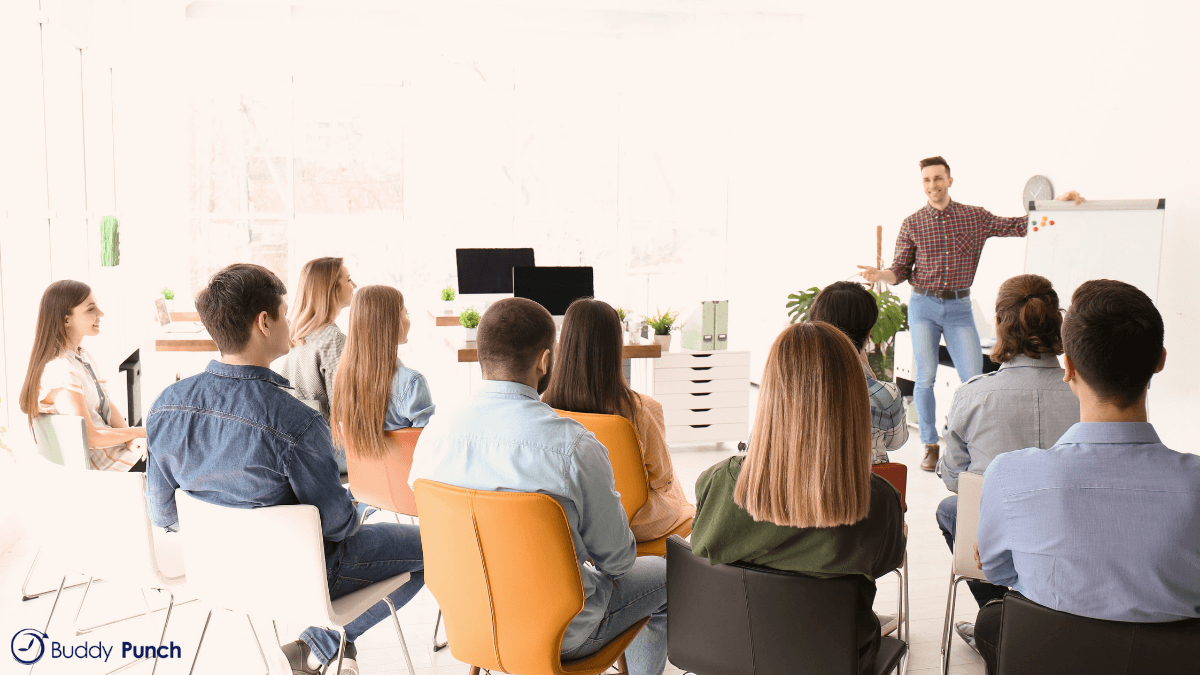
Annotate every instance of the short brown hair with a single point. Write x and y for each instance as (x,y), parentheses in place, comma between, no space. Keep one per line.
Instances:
(936,161)
(1028,319)
(232,300)
(849,307)
(512,333)
(809,463)
(1113,335)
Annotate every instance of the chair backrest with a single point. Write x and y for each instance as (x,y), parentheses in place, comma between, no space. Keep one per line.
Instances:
(383,483)
(896,474)
(966,527)
(502,566)
(741,620)
(624,452)
(1036,640)
(62,439)
(97,522)
(268,562)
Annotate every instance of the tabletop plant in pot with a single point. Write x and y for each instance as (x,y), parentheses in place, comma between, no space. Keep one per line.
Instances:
(662,323)
(448,295)
(622,315)
(169,296)
(470,321)
(893,318)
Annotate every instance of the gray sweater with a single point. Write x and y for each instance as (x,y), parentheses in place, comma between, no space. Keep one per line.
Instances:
(310,367)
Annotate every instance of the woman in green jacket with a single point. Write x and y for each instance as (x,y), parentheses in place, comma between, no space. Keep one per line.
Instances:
(803,499)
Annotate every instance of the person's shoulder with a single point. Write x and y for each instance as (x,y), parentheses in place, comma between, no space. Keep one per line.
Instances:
(405,377)
(57,369)
(648,405)
(884,495)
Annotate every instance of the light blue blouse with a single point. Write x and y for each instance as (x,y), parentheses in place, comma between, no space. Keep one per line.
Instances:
(409,404)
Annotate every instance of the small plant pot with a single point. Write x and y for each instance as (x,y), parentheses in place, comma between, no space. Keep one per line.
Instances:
(447,308)
(663,341)
(472,334)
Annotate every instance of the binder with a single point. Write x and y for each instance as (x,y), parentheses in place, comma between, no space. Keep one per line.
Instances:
(721,324)
(697,332)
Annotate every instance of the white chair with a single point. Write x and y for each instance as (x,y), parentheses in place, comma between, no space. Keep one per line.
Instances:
(61,439)
(970,492)
(270,563)
(101,528)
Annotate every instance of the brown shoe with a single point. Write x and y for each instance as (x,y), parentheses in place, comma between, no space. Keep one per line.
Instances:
(931,458)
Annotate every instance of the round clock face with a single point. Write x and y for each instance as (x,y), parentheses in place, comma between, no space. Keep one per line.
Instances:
(1037,188)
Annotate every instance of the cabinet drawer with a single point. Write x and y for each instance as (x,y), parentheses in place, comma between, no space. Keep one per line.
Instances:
(721,399)
(712,432)
(689,359)
(702,373)
(699,386)
(678,418)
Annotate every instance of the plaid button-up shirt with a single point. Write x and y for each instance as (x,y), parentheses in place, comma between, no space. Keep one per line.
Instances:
(939,250)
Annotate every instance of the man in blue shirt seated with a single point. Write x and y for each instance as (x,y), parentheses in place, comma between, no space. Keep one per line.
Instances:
(1105,523)
(232,435)
(505,439)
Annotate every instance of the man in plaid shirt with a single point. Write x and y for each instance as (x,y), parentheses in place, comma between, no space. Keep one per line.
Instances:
(937,252)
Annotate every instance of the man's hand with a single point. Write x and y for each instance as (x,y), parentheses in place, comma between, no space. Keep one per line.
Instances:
(872,275)
(978,563)
(1072,195)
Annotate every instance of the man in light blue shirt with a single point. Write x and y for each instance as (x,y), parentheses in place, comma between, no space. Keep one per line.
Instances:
(505,439)
(1106,523)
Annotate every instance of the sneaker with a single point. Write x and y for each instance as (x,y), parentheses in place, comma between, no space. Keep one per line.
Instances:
(349,661)
(966,631)
(887,624)
(297,654)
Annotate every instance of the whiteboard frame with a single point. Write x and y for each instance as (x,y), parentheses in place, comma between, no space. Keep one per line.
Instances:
(1098,205)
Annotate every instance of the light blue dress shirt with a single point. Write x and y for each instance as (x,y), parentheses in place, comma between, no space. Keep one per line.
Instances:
(505,439)
(409,403)
(1104,524)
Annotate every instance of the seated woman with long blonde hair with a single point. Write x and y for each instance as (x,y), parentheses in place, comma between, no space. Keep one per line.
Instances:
(803,498)
(373,391)
(588,377)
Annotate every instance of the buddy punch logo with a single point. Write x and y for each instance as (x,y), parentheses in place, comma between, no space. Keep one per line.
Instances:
(28,646)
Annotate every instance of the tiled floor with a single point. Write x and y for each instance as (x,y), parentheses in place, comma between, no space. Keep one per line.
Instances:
(230,648)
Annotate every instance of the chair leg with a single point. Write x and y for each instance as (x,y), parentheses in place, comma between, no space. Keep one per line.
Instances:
(85,631)
(341,654)
(622,664)
(25,594)
(201,642)
(257,643)
(948,636)
(84,599)
(907,619)
(161,636)
(439,646)
(400,634)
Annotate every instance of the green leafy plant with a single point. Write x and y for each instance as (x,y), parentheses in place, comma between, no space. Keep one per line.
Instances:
(661,322)
(448,294)
(469,318)
(893,318)
(621,313)
(167,293)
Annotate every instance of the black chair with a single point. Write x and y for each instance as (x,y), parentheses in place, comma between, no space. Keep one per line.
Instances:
(747,620)
(1035,639)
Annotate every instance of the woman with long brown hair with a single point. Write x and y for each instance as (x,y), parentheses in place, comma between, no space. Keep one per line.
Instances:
(373,391)
(325,289)
(588,377)
(61,379)
(803,498)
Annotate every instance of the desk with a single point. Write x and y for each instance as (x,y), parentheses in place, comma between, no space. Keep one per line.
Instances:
(444,319)
(467,354)
(184,342)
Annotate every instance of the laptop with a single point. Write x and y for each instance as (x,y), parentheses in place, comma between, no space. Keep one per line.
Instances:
(169,326)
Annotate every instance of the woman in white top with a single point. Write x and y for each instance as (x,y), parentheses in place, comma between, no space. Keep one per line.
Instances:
(61,379)
(325,289)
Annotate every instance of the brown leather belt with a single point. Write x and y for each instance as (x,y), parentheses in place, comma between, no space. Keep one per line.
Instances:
(944,295)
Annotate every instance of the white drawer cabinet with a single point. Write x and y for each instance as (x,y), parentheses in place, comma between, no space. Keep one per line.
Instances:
(705,395)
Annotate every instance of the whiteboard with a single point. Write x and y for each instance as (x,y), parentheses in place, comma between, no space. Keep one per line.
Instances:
(1113,239)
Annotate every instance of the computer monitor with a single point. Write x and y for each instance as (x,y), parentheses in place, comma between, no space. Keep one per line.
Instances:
(489,270)
(554,288)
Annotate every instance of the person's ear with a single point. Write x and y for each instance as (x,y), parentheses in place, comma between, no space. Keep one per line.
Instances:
(261,323)
(1162,361)
(543,363)
(949,181)
(1069,369)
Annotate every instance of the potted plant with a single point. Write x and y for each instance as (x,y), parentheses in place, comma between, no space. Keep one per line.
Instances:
(470,320)
(448,296)
(662,324)
(621,314)
(893,318)
(169,296)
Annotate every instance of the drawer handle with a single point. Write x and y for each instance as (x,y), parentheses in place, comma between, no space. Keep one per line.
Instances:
(699,426)
(701,381)
(701,367)
(701,356)
(701,409)
(702,394)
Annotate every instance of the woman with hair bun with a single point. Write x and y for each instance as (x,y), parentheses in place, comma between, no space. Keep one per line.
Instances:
(1024,404)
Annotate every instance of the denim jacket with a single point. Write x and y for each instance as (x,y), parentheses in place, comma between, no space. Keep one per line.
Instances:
(234,436)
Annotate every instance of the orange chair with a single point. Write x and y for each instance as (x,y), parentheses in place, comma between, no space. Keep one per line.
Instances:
(629,470)
(502,566)
(383,482)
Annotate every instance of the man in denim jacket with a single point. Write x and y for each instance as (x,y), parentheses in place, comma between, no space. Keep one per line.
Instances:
(234,436)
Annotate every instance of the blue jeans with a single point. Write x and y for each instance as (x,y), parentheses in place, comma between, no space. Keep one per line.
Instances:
(640,593)
(928,320)
(947,519)
(376,552)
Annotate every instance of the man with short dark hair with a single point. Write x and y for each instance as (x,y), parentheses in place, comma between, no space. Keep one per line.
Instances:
(937,252)
(233,436)
(853,310)
(1105,523)
(505,439)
